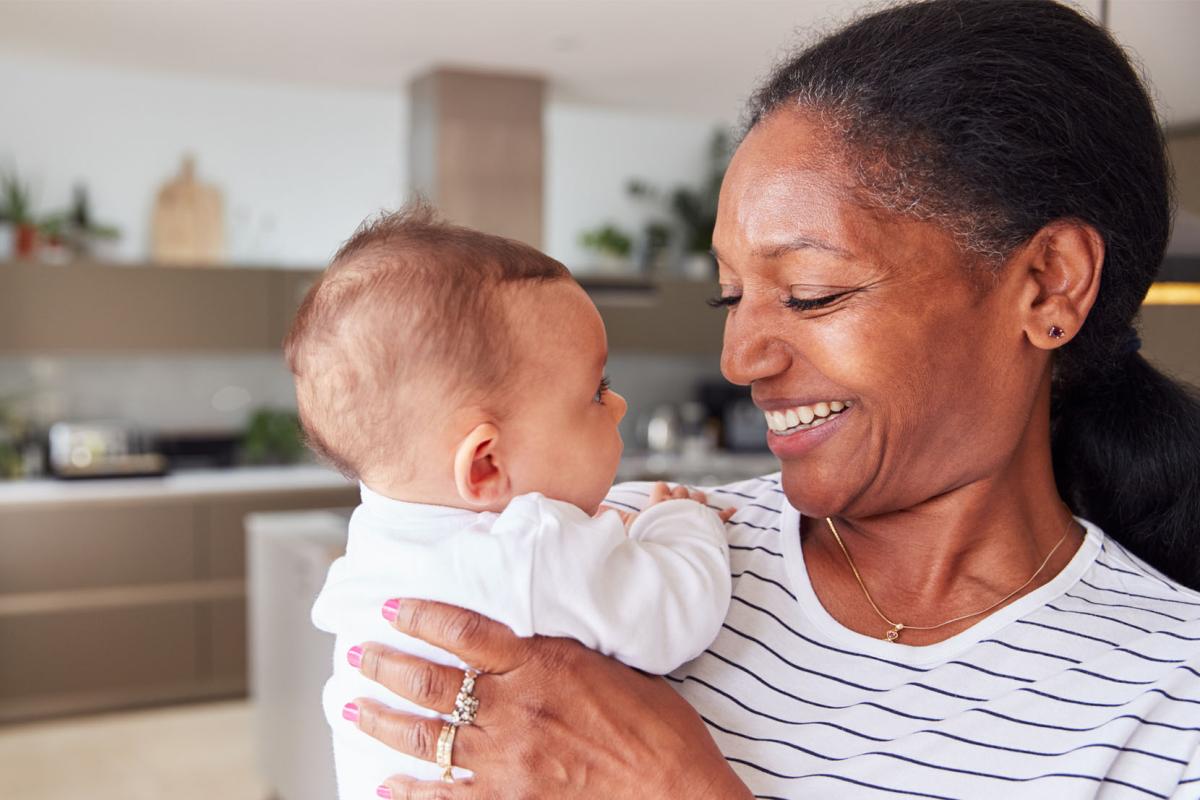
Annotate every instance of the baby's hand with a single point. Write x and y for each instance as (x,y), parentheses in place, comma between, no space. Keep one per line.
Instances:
(661,491)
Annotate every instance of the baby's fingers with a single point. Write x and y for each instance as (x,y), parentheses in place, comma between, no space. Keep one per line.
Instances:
(698,496)
(680,492)
(726,514)
(659,492)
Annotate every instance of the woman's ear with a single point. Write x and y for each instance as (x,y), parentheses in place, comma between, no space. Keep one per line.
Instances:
(1062,265)
(481,480)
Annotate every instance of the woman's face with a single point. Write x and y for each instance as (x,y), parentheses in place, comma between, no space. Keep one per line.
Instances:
(839,305)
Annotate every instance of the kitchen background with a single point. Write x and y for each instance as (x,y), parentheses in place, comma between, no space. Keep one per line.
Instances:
(172,177)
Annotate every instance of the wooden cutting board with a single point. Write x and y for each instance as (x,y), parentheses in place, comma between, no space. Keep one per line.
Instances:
(188,227)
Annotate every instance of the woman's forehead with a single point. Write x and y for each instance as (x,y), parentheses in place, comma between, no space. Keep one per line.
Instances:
(784,178)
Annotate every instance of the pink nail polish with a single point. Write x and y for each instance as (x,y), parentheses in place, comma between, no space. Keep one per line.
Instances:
(384,792)
(391,610)
(350,712)
(354,656)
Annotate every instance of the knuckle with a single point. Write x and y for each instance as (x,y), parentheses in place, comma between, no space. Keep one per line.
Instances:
(464,627)
(425,681)
(419,741)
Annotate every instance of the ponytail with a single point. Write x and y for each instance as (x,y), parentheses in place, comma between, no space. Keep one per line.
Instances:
(1126,447)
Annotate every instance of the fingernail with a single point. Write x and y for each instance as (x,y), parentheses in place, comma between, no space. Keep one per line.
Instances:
(350,712)
(391,610)
(384,792)
(355,656)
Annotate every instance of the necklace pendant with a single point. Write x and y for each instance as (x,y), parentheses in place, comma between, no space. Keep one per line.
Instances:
(894,633)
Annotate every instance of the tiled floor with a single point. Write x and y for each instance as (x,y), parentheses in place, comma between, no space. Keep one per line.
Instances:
(194,752)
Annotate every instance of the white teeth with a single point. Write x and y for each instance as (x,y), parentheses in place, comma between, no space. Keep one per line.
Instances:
(804,417)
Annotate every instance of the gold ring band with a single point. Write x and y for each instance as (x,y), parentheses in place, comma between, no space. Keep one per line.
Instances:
(445,748)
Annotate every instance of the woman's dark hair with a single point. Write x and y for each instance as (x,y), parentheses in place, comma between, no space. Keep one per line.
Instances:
(994,118)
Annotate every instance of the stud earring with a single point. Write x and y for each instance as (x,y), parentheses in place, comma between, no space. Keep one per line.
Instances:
(1056,332)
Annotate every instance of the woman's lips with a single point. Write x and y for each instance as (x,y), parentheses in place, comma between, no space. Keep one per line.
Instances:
(797,442)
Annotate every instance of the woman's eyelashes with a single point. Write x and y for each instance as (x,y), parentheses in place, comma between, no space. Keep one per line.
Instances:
(795,303)
(724,301)
(810,303)
(602,390)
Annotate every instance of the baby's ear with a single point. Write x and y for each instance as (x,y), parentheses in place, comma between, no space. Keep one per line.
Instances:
(478,476)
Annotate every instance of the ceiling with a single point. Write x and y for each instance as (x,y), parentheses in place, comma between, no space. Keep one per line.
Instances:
(691,56)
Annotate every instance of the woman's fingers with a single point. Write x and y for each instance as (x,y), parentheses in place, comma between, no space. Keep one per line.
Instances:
(404,788)
(414,735)
(485,644)
(427,684)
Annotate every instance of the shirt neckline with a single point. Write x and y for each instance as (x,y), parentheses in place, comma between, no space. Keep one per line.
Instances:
(810,605)
(392,509)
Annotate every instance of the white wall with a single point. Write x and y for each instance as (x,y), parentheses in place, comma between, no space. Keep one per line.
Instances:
(299,167)
(591,153)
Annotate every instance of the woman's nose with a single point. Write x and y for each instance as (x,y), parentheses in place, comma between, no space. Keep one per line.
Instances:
(750,353)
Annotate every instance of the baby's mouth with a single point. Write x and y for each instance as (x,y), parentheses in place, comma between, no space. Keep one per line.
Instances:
(802,418)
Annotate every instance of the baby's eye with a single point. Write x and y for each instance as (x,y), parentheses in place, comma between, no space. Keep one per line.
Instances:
(602,390)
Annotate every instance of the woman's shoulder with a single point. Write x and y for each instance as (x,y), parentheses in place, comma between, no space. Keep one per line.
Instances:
(1120,578)
(762,491)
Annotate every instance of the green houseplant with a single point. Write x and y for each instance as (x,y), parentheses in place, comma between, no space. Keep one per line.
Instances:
(16,201)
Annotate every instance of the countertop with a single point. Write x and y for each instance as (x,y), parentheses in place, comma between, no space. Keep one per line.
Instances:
(697,469)
(189,483)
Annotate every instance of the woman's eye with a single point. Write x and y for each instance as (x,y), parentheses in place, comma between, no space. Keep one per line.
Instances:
(809,303)
(602,390)
(724,301)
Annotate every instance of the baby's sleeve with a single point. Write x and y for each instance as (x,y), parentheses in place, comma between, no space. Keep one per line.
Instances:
(653,597)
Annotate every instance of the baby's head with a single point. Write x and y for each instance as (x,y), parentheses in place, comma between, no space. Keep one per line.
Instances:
(442,365)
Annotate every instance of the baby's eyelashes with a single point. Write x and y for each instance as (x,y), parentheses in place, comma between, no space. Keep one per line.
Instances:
(602,390)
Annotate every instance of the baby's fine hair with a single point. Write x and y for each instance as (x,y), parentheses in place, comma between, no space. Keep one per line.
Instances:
(410,306)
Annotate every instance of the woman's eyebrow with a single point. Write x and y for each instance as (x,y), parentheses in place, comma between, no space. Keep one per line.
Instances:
(791,246)
(799,243)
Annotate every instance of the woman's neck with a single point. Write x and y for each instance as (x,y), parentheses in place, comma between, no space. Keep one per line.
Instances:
(953,554)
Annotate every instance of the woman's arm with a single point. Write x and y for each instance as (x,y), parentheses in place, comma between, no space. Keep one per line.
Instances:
(555,719)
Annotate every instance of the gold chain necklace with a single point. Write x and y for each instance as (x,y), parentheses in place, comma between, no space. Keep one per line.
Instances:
(894,633)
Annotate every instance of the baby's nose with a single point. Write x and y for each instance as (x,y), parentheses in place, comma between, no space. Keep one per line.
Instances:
(618,405)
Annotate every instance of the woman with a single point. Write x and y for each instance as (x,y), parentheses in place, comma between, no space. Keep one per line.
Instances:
(941,221)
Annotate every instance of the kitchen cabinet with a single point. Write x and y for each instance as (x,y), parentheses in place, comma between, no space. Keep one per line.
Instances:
(130,600)
(86,308)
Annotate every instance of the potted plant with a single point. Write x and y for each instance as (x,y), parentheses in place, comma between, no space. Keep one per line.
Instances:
(611,245)
(16,202)
(694,209)
(75,229)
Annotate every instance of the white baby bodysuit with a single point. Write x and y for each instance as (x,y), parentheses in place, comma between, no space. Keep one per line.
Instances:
(653,596)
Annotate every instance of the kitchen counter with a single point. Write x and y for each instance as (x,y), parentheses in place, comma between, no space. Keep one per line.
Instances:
(707,468)
(183,484)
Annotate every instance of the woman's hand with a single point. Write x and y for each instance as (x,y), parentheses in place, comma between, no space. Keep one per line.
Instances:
(555,720)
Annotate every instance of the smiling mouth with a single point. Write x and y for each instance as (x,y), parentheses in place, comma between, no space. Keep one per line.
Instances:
(802,418)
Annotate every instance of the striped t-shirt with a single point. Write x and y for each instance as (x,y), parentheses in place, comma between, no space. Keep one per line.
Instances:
(1087,687)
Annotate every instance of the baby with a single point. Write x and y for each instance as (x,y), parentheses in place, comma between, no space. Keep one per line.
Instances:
(460,378)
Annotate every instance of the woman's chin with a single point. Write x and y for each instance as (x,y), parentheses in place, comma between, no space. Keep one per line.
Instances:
(814,495)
